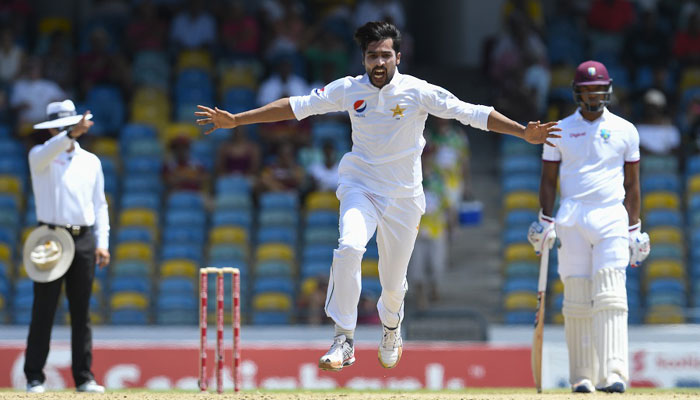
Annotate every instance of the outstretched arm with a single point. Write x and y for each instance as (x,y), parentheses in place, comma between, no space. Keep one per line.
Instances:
(534,132)
(278,110)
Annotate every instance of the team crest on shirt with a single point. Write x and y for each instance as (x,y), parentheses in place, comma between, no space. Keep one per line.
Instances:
(318,91)
(605,134)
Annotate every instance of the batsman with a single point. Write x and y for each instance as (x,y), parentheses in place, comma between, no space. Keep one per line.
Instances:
(599,230)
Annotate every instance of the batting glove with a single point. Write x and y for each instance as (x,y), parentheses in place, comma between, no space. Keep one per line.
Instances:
(541,233)
(639,245)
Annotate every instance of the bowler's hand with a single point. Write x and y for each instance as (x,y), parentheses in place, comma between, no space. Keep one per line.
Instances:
(102,257)
(220,118)
(537,133)
(81,127)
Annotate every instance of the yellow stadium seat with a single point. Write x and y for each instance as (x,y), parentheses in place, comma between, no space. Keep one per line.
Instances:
(274,251)
(150,96)
(106,147)
(228,234)
(670,235)
(25,233)
(22,272)
(370,268)
(520,199)
(521,301)
(49,25)
(558,318)
(322,201)
(134,251)
(272,302)
(557,286)
(309,286)
(194,59)
(520,252)
(665,314)
(237,76)
(5,253)
(664,269)
(694,184)
(175,130)
(562,76)
(138,217)
(660,200)
(186,268)
(11,184)
(690,78)
(96,287)
(128,300)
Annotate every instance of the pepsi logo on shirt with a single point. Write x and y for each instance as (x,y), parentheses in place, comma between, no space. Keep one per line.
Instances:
(360,106)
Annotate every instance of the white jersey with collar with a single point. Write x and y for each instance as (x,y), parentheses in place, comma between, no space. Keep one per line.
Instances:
(387,128)
(69,187)
(592,156)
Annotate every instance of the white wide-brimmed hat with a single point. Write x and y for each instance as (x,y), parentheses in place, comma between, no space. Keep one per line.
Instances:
(61,114)
(48,253)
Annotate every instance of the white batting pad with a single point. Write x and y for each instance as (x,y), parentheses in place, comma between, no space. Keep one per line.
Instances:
(577,312)
(610,324)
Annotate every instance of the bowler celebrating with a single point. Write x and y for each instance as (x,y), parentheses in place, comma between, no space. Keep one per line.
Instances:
(380,179)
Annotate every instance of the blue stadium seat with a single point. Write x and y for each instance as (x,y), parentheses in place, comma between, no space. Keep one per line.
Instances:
(319,253)
(130,268)
(239,99)
(274,268)
(662,217)
(279,200)
(176,285)
(134,234)
(177,302)
(140,147)
(315,268)
(520,217)
(271,318)
(227,252)
(278,234)
(130,132)
(184,234)
(233,184)
(514,235)
(273,284)
(371,287)
(519,317)
(520,285)
(8,235)
(185,200)
(128,317)
(182,251)
(137,165)
(322,218)
(176,317)
(140,199)
(234,217)
(321,235)
(521,164)
(528,182)
(130,284)
(278,217)
(668,182)
(186,217)
(204,152)
(107,105)
(140,183)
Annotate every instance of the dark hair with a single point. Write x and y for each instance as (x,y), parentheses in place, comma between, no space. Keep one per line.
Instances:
(375,31)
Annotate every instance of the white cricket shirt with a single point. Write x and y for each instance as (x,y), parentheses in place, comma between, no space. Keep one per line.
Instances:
(387,128)
(592,156)
(69,187)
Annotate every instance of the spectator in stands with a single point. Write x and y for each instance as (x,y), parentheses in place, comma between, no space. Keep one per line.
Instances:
(146,31)
(380,180)
(239,155)
(193,28)
(686,44)
(181,172)
(240,32)
(451,162)
(532,9)
(646,42)
(283,174)
(11,55)
(326,50)
(102,63)
(75,201)
(657,134)
(31,94)
(290,33)
(380,10)
(312,299)
(325,174)
(429,259)
(282,83)
(59,63)
(611,16)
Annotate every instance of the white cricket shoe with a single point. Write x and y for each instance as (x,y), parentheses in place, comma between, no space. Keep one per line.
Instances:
(613,384)
(35,387)
(90,387)
(390,347)
(341,354)
(583,386)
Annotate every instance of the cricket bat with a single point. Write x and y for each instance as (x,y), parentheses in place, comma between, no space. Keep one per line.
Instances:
(536,352)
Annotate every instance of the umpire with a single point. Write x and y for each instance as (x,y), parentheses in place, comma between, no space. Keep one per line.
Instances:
(68,186)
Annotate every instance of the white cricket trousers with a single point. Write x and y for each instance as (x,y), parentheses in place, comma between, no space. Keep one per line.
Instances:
(396,221)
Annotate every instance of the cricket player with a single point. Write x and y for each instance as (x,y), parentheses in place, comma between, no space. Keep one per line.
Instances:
(598,227)
(380,179)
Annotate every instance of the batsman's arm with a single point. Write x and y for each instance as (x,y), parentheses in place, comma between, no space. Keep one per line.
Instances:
(278,110)
(548,186)
(632,192)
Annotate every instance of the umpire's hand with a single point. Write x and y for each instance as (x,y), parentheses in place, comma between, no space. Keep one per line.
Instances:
(102,257)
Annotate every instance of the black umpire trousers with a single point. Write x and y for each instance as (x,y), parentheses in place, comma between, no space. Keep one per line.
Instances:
(78,278)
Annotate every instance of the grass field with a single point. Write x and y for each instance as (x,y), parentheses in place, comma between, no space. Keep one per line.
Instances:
(471,394)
